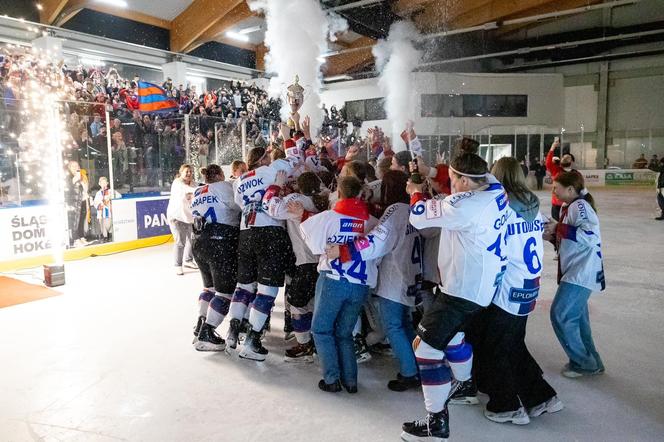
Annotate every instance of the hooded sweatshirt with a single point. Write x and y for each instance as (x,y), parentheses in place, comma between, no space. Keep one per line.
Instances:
(524,248)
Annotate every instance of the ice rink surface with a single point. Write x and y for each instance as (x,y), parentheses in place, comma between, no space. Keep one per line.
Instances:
(112,360)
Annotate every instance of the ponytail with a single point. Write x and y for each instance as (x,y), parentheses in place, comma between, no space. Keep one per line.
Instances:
(575,179)
(309,185)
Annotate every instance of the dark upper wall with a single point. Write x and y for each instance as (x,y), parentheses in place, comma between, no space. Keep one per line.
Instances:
(228,54)
(20,9)
(117,28)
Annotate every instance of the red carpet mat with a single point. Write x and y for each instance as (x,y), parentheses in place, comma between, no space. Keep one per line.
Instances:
(13,292)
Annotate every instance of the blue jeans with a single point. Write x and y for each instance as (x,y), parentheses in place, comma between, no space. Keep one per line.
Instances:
(571,323)
(398,324)
(337,306)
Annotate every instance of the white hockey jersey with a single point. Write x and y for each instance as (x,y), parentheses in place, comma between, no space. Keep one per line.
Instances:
(471,256)
(521,281)
(349,219)
(215,202)
(250,188)
(277,208)
(430,245)
(580,246)
(400,246)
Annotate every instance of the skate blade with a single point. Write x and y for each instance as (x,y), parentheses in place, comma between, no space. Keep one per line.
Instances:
(252,356)
(207,346)
(412,438)
(519,421)
(468,400)
(300,360)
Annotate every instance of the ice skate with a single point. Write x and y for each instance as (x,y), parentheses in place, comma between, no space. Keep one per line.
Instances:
(463,393)
(245,328)
(197,328)
(434,427)
(199,323)
(551,406)
(361,350)
(300,353)
(289,334)
(233,333)
(382,348)
(518,417)
(209,340)
(252,347)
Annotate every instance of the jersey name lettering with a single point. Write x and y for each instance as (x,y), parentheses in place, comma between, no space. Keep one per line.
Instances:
(249,184)
(209,199)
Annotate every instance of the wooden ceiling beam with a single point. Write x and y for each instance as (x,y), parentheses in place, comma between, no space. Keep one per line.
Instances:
(201,20)
(347,61)
(73,7)
(462,14)
(51,9)
(214,32)
(404,8)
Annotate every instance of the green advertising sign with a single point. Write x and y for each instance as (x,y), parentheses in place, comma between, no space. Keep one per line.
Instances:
(640,177)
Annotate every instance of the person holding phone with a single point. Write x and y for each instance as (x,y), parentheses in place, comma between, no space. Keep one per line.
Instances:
(580,272)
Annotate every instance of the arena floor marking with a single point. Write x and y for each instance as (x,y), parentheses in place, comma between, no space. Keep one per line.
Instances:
(13,292)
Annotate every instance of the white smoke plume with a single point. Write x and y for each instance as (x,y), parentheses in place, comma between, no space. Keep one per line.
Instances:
(396,57)
(296,37)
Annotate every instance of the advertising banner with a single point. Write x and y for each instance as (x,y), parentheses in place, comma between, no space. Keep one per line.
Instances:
(151,218)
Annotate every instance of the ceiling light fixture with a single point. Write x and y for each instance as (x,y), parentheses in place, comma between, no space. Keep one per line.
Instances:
(250,29)
(237,36)
(116,3)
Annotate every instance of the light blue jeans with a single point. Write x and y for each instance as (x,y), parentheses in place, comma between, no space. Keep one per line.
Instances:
(398,324)
(571,323)
(337,306)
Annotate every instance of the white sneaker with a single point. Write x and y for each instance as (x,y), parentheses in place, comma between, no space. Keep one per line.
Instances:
(551,406)
(178,270)
(518,417)
(191,265)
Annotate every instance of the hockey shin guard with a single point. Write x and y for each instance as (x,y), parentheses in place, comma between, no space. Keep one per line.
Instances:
(262,306)
(460,356)
(434,374)
(204,300)
(218,309)
(243,296)
(301,320)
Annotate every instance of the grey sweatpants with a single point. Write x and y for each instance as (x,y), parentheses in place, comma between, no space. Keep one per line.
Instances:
(182,234)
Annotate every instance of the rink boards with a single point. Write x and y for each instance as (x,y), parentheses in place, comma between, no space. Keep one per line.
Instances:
(137,222)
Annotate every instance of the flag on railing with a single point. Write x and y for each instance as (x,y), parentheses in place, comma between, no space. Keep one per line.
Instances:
(152,98)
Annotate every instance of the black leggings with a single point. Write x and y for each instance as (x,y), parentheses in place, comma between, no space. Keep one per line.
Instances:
(502,365)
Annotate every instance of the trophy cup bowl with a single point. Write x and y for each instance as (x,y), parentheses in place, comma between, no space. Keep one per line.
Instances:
(295,98)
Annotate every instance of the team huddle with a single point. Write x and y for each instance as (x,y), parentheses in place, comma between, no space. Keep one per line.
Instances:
(441,265)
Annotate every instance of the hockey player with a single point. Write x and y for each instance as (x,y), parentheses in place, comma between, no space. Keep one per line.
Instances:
(342,287)
(295,208)
(471,262)
(580,272)
(399,273)
(504,368)
(263,243)
(216,221)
